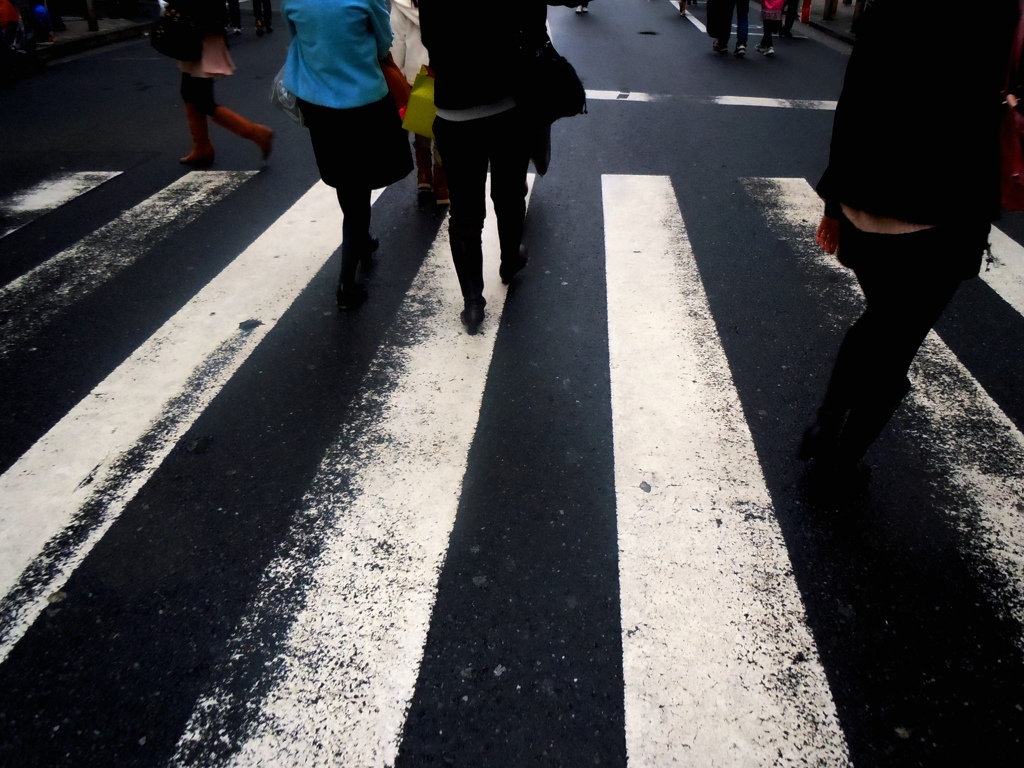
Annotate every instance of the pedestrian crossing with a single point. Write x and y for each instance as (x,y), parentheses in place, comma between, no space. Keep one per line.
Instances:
(720,664)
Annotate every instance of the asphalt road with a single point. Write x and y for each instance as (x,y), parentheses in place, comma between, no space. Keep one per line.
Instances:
(240,528)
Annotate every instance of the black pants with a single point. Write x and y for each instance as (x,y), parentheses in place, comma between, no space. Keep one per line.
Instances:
(261,12)
(234,14)
(790,9)
(907,280)
(468,149)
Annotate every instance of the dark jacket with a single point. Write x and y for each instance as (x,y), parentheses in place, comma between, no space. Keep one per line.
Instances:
(474,46)
(915,136)
(210,16)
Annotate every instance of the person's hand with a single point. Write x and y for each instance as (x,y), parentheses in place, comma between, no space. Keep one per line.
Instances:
(828,235)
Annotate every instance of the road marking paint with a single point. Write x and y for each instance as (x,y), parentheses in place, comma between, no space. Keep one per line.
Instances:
(28,205)
(32,300)
(759,101)
(719,665)
(1006,272)
(620,96)
(378,516)
(691,18)
(973,442)
(63,494)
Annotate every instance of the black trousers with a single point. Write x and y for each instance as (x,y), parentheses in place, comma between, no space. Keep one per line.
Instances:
(907,281)
(469,148)
(261,12)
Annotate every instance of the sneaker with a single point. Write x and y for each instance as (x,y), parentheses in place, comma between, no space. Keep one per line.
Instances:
(766,50)
(740,51)
(579,9)
(718,47)
(234,30)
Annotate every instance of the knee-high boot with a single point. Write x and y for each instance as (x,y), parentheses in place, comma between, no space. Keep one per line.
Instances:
(259,134)
(424,163)
(350,294)
(467,256)
(201,155)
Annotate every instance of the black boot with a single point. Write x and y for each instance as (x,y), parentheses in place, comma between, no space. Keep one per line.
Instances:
(868,417)
(350,294)
(468,258)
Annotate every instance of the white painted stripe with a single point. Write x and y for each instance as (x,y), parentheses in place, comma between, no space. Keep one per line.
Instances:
(34,299)
(379,512)
(620,96)
(1006,272)
(64,493)
(719,665)
(691,18)
(974,441)
(758,101)
(28,205)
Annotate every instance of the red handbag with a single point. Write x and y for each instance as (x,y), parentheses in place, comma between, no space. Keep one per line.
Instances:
(1011,133)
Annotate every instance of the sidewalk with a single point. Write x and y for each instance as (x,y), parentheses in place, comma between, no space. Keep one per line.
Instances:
(77,37)
(840,26)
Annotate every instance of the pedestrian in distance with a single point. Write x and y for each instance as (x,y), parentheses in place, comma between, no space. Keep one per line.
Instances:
(719,26)
(197,87)
(771,21)
(790,9)
(909,216)
(234,26)
(262,14)
(410,55)
(334,70)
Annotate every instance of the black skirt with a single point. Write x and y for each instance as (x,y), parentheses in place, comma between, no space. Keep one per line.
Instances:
(362,146)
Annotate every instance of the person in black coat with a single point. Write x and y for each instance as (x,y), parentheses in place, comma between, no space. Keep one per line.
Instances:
(474,48)
(910,190)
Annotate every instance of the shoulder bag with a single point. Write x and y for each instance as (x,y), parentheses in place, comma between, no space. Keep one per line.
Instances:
(175,34)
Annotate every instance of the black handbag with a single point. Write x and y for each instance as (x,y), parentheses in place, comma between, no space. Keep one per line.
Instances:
(548,87)
(175,34)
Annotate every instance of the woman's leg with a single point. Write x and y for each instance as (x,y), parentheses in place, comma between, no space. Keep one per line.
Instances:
(463,145)
(356,243)
(197,93)
(510,160)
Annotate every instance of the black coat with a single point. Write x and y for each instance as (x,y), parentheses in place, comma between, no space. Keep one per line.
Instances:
(474,46)
(915,136)
(210,16)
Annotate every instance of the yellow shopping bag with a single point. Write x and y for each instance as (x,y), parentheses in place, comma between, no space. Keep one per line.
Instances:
(420,112)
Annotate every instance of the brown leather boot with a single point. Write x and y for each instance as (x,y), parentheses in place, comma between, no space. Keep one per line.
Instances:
(201,155)
(424,161)
(260,135)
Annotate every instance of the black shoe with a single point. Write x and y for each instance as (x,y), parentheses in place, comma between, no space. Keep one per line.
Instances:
(351,296)
(510,267)
(472,316)
(786,34)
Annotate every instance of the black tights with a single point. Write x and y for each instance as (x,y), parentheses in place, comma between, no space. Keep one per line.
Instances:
(355,229)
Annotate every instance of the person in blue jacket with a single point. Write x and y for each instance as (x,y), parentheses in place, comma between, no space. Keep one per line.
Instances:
(333,68)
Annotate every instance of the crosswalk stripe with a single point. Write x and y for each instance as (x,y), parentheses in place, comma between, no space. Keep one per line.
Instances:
(1005,273)
(64,493)
(28,205)
(596,95)
(970,438)
(719,665)
(32,300)
(379,512)
(761,101)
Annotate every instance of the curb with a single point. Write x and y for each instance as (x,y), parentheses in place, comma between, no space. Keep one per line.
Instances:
(45,54)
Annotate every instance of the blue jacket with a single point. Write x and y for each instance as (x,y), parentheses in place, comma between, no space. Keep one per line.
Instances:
(337,45)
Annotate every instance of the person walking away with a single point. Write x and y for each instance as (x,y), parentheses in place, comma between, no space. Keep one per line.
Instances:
(478,125)
(262,14)
(909,217)
(333,68)
(771,20)
(410,54)
(720,13)
(197,87)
